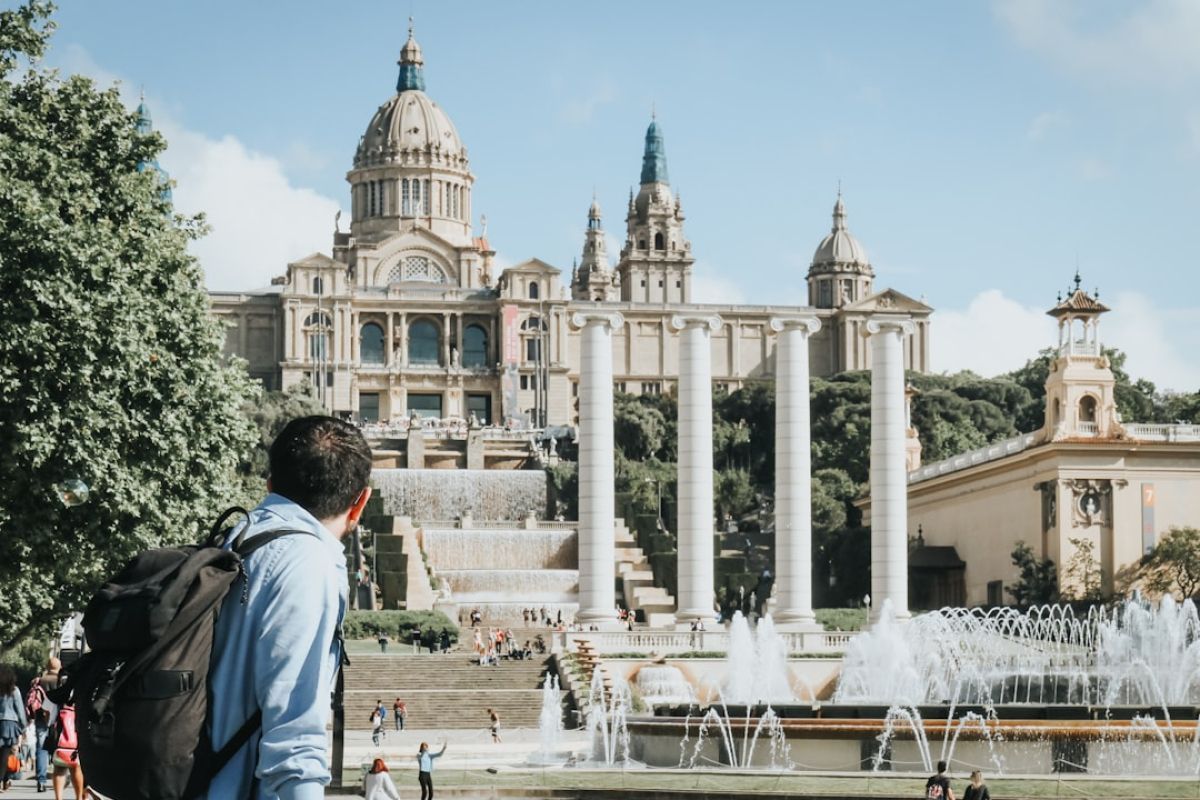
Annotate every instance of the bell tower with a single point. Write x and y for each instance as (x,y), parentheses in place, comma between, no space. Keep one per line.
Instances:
(1080,400)
(592,278)
(656,261)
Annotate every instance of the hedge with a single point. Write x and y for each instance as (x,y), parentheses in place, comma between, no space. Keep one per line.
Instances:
(399,625)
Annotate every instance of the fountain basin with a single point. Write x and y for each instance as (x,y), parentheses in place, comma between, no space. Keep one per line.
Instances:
(1128,743)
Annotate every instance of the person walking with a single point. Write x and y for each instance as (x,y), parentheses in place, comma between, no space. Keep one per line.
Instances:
(378,784)
(43,714)
(12,722)
(376,727)
(494,716)
(277,646)
(383,642)
(977,789)
(938,786)
(399,712)
(425,769)
(65,744)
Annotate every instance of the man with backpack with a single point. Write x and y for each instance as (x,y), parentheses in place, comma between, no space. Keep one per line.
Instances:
(277,646)
(938,786)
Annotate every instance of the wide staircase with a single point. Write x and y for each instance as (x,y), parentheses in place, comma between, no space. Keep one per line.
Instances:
(447,691)
(637,578)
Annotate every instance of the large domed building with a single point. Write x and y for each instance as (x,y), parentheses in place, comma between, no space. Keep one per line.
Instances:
(405,316)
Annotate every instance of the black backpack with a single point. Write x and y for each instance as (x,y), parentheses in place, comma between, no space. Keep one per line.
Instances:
(141,693)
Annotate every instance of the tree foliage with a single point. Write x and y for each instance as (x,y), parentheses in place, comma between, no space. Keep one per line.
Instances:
(110,364)
(1039,578)
(1082,572)
(1173,566)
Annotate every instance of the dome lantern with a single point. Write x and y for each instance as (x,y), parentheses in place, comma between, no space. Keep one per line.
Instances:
(412,65)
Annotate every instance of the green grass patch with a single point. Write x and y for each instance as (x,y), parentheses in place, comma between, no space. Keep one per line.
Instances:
(398,625)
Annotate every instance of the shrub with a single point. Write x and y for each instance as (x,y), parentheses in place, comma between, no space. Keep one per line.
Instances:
(399,625)
(841,619)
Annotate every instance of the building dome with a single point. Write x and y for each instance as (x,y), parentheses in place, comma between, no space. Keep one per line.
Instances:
(840,247)
(410,128)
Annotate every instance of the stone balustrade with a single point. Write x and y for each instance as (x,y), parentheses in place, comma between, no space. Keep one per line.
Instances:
(1178,432)
(674,642)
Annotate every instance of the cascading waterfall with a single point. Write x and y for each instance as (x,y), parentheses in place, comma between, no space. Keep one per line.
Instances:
(444,494)
(500,548)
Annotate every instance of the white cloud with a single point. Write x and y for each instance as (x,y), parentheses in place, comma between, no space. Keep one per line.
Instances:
(1151,42)
(710,287)
(996,334)
(260,221)
(581,110)
(1093,169)
(1045,124)
(1161,344)
(993,334)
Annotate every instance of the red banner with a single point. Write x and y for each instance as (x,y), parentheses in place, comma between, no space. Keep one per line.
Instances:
(512,335)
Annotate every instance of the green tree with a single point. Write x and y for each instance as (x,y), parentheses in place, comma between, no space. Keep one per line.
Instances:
(268,414)
(1082,572)
(1173,566)
(110,364)
(1039,578)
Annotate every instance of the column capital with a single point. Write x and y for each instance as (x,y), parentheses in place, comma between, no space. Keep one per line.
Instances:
(612,319)
(682,321)
(809,324)
(901,325)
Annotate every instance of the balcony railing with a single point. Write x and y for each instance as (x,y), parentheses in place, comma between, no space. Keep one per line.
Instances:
(1178,432)
(971,458)
(1079,347)
(675,642)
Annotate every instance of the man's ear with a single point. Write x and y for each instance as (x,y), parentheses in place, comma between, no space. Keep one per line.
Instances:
(270,488)
(360,503)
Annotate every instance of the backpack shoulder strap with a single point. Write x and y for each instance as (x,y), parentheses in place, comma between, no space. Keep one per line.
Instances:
(244,547)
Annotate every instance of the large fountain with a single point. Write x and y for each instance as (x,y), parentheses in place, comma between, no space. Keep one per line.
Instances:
(429,495)
(1113,692)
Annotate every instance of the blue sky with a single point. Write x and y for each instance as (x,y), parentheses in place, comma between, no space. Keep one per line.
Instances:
(984,149)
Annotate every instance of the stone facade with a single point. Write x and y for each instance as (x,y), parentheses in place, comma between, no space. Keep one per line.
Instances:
(405,315)
(1086,477)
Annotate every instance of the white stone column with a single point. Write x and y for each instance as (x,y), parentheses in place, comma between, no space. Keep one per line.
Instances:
(793,473)
(889,480)
(597,514)
(695,534)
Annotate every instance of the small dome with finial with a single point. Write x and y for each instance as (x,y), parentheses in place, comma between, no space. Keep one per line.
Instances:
(840,248)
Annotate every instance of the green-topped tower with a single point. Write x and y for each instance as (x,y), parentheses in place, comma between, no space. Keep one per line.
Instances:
(656,261)
(145,127)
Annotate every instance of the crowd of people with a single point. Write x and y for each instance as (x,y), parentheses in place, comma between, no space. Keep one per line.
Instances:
(500,643)
(37,734)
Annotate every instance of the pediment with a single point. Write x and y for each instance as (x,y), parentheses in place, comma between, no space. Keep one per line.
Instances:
(314,260)
(889,301)
(535,265)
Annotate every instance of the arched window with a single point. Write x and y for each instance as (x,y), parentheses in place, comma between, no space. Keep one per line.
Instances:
(658,242)
(426,201)
(416,268)
(405,208)
(318,286)
(416,196)
(533,290)
(475,347)
(317,327)
(370,344)
(1087,409)
(423,343)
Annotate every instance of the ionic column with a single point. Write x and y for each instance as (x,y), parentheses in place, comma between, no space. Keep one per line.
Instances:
(889,479)
(793,473)
(695,557)
(597,514)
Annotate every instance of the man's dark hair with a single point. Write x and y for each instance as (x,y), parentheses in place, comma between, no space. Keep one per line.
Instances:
(321,464)
(941,767)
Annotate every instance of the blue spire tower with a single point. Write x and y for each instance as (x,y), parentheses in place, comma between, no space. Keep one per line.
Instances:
(145,126)
(412,66)
(654,158)
(656,261)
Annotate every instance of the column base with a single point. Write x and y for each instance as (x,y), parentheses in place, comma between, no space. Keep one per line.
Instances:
(599,618)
